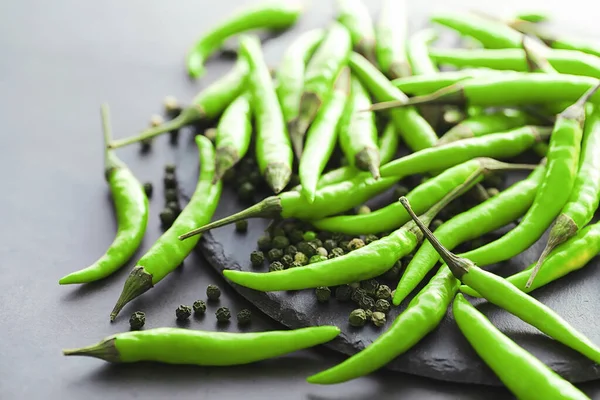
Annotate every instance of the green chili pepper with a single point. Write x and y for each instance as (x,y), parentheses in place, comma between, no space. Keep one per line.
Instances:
(498,291)
(486,217)
(425,84)
(567,257)
(184,346)
(423,196)
(207,105)
(364,263)
(358,133)
(168,252)
(496,145)
(131,205)
(413,128)
(523,374)
(418,52)
(269,15)
(355,16)
(322,136)
(234,133)
(390,32)
(484,124)
(290,74)
(322,69)
(331,199)
(491,34)
(422,315)
(585,196)
(273,148)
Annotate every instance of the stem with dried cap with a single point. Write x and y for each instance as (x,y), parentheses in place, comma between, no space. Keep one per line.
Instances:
(453,94)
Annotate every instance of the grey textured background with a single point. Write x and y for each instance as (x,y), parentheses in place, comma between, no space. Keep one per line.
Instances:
(58,61)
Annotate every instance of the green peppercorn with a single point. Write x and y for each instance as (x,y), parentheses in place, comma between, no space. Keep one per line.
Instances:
(309,235)
(323,294)
(174,205)
(338,237)
(276,266)
(436,223)
(199,307)
(213,292)
(288,227)
(145,145)
(358,294)
(137,320)
(254,177)
(296,264)
(257,258)
(354,285)
(307,248)
(329,244)
(148,189)
(183,312)
(264,243)
(287,260)
(223,314)
(301,258)
(277,232)
(241,226)
(366,303)
(378,319)
(246,191)
(344,245)
(355,244)
(382,305)
(493,192)
(244,316)
(296,236)
(228,176)
(274,255)
(336,252)
(167,217)
(343,293)
(291,250)
(357,318)
(170,168)
(317,242)
(170,181)
(280,242)
(370,286)
(370,239)
(171,195)
(383,292)
(317,258)
(321,251)
(400,191)
(363,210)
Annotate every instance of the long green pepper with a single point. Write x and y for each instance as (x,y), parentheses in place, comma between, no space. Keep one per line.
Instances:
(131,206)
(273,148)
(168,253)
(418,53)
(355,16)
(391,30)
(426,84)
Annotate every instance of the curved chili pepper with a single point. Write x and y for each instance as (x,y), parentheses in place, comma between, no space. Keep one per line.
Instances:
(585,196)
(484,124)
(185,346)
(273,148)
(498,291)
(207,105)
(418,53)
(234,133)
(358,133)
(423,196)
(322,136)
(485,217)
(423,314)
(496,145)
(269,15)
(168,253)
(131,205)
(414,129)
(523,374)
(355,16)
(322,69)
(364,263)
(390,32)
(569,256)
(290,74)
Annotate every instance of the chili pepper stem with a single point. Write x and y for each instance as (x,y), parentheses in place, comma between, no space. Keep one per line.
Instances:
(368,160)
(309,105)
(225,158)
(110,159)
(105,350)
(187,116)
(576,111)
(139,281)
(267,208)
(277,176)
(452,94)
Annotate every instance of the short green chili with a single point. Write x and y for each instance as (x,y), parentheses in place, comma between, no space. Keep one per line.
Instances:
(355,16)
(290,73)
(185,346)
(207,105)
(358,133)
(485,217)
(269,15)
(391,31)
(498,291)
(273,147)
(523,374)
(168,253)
(322,136)
(322,69)
(418,52)
(131,206)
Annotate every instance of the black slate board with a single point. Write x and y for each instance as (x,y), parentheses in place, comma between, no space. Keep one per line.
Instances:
(444,354)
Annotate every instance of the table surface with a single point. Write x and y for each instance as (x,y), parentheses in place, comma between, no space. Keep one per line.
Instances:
(58,63)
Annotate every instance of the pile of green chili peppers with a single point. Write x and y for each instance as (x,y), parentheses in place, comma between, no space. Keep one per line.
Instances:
(510,95)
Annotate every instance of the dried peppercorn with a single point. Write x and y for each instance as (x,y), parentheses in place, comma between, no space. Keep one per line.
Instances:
(296,236)
(213,292)
(171,195)
(183,312)
(317,258)
(343,293)
(297,264)
(369,314)
(170,168)
(241,226)
(363,210)
(337,252)
(174,205)
(357,318)
(383,292)
(382,305)
(137,320)
(370,239)
(301,258)
(322,251)
(167,217)
(246,191)
(355,243)
(276,266)
(280,242)
(378,319)
(287,260)
(257,258)
(358,294)
(275,254)
(307,248)
(148,189)
(330,244)
(338,237)
(323,294)
(317,242)
(393,274)
(366,303)
(288,227)
(223,314)
(370,286)
(199,307)
(344,245)
(264,242)
(170,181)
(244,316)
